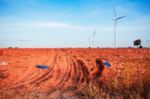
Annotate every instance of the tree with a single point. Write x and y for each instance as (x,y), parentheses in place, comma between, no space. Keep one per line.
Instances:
(137,42)
(141,46)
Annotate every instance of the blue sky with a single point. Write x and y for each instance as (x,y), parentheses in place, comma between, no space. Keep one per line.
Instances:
(70,23)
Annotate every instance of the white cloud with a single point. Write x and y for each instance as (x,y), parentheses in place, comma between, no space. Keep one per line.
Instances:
(35,25)
(139,25)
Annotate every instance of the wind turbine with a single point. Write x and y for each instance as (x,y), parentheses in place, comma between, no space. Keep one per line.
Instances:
(115,27)
(92,38)
(93,35)
(148,43)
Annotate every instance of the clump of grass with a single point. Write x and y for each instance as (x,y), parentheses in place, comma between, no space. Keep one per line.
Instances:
(128,83)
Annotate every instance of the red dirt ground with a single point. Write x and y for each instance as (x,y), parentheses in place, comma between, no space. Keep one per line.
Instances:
(71,67)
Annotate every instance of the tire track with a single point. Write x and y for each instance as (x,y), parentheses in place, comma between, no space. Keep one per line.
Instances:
(67,74)
(76,72)
(38,74)
(47,75)
(65,70)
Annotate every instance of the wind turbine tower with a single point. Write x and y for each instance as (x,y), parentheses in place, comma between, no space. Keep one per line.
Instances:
(93,35)
(148,43)
(115,27)
(92,39)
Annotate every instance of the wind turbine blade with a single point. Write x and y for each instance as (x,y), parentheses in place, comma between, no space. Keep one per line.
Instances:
(114,12)
(120,17)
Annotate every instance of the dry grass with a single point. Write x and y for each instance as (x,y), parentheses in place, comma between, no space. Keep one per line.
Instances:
(130,82)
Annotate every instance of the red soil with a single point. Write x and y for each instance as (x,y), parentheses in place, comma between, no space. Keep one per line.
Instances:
(67,67)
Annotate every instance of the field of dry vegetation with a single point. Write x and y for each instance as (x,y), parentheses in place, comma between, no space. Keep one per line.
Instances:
(74,73)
